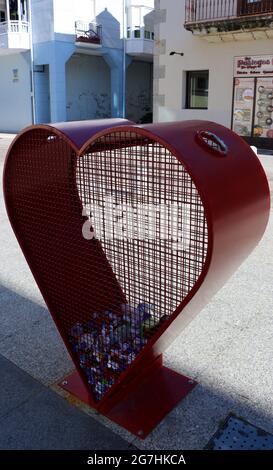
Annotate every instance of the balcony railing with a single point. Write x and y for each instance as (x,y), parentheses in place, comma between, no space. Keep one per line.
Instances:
(88,32)
(14,27)
(201,11)
(251,7)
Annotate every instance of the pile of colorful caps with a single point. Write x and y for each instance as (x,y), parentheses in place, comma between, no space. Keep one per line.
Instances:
(108,343)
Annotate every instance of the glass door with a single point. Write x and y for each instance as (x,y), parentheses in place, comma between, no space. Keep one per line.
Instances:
(243,104)
(263,120)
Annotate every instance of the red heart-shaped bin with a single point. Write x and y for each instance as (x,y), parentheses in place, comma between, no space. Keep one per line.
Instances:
(129,231)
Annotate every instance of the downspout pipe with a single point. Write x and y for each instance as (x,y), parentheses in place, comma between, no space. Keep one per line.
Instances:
(33,109)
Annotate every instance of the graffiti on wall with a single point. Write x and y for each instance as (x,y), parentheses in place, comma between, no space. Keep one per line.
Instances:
(90,105)
(138,106)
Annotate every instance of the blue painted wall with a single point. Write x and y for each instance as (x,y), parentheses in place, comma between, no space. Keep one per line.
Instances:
(15,94)
(88,88)
(42,94)
(139,90)
(55,54)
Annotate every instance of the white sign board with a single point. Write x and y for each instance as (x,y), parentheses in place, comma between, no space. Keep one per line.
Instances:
(253,66)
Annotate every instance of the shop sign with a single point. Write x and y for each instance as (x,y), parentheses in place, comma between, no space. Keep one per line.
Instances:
(253,66)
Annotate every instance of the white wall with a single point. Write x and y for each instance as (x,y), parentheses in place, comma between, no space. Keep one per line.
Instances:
(42,21)
(15,97)
(88,88)
(198,55)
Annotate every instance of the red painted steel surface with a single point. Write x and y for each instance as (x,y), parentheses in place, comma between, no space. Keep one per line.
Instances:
(80,133)
(235,193)
(140,407)
(53,172)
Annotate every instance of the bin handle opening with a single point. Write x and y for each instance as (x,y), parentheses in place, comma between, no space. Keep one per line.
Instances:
(212,142)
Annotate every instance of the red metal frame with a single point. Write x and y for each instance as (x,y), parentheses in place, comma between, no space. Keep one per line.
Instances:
(140,404)
(39,173)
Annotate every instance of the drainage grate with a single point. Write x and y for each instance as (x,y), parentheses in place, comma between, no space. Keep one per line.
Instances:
(238,434)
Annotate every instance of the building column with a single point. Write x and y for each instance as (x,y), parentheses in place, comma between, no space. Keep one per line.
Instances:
(60,53)
(24,12)
(116,92)
(114,59)
(57,86)
(19,15)
(8,12)
(55,54)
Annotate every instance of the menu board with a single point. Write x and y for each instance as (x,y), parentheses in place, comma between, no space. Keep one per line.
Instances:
(243,106)
(263,121)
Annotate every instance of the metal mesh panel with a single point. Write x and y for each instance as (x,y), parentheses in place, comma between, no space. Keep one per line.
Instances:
(109,290)
(145,210)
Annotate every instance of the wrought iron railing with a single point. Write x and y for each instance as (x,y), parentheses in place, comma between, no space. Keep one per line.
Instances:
(254,7)
(197,11)
(88,32)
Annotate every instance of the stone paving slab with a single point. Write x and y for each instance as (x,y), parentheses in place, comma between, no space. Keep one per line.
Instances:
(29,338)
(34,417)
(16,387)
(38,349)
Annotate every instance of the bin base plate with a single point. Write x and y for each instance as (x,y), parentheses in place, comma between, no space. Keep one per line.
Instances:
(146,404)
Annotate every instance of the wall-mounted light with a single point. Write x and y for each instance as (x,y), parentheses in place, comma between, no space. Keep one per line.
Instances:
(177,53)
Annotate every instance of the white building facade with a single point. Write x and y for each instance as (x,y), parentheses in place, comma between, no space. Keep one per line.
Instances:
(222,69)
(74,60)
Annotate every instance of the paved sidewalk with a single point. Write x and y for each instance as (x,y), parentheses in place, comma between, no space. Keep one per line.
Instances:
(7,136)
(34,417)
(227,349)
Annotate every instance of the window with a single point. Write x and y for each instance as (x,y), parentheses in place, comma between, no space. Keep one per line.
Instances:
(197,89)
(147,34)
(2,16)
(137,32)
